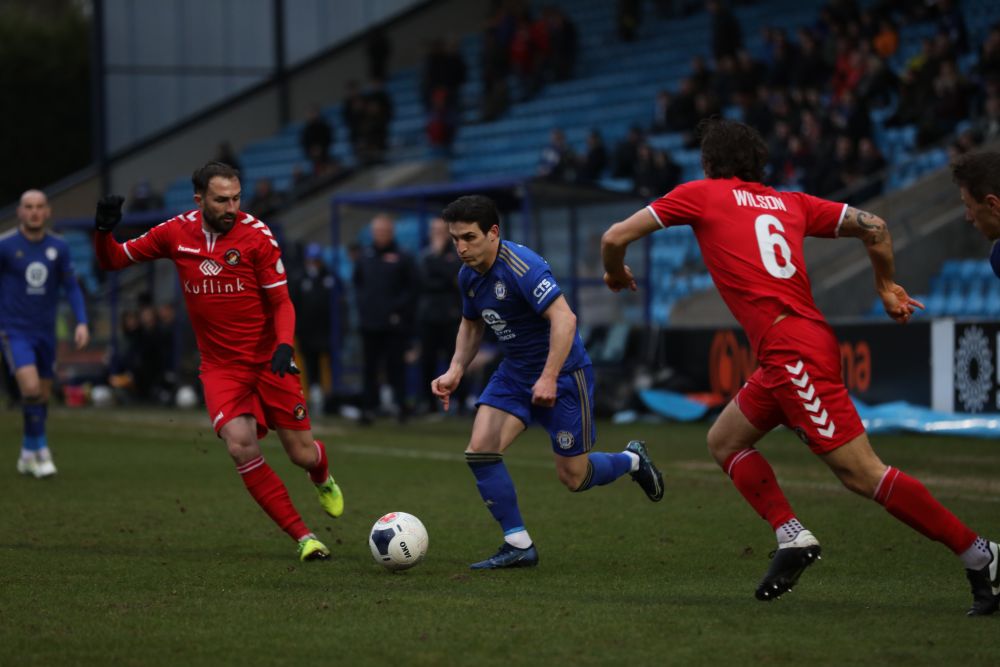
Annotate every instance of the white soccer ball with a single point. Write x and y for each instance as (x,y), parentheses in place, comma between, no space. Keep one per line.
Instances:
(187,397)
(398,541)
(101,396)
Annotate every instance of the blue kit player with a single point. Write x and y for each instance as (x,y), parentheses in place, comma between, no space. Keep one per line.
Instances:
(546,375)
(33,264)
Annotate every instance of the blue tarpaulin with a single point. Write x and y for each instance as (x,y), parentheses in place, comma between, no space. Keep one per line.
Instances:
(673,405)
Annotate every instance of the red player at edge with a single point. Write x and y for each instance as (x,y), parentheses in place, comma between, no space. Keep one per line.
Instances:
(751,239)
(235,288)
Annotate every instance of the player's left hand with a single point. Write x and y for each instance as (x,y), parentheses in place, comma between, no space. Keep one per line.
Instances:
(544,392)
(899,305)
(623,279)
(283,360)
(81,336)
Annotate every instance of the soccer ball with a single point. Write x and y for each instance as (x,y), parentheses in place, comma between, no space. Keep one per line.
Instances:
(398,541)
(187,397)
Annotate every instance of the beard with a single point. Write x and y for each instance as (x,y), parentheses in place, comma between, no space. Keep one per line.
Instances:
(220,224)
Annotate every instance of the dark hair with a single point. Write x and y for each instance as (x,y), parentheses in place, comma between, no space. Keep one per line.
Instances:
(202,175)
(979,173)
(730,148)
(473,208)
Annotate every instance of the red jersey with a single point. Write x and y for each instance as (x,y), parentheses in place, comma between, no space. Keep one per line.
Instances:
(233,283)
(751,239)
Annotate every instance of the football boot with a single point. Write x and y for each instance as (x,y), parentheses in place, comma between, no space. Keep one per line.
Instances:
(330,497)
(312,549)
(788,562)
(509,556)
(986,585)
(650,479)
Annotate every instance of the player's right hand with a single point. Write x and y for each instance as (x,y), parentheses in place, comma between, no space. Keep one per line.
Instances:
(899,305)
(443,386)
(109,213)
(620,280)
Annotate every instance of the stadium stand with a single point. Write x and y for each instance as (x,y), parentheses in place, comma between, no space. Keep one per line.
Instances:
(962,288)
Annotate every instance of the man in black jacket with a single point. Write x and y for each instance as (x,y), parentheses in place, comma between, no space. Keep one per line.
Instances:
(727,36)
(386,282)
(440,307)
(310,292)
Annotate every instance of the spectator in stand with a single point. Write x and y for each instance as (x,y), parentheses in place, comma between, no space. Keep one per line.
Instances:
(749,74)
(810,67)
(496,102)
(655,174)
(493,64)
(376,94)
(661,114)
(727,36)
(562,44)
(265,200)
(441,123)
(991,120)
(378,48)
(949,106)
(626,153)
(317,136)
(886,41)
(373,133)
(451,73)
(989,55)
(839,171)
(628,19)
(225,155)
(523,55)
(311,291)
(683,114)
(701,74)
(876,87)
(951,23)
(352,110)
(440,310)
(557,161)
(166,317)
(385,282)
(143,198)
(592,167)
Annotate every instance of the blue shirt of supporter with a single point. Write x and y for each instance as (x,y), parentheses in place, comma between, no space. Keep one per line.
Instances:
(30,276)
(511,297)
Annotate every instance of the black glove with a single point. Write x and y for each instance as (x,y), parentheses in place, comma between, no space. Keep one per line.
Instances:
(283,362)
(109,213)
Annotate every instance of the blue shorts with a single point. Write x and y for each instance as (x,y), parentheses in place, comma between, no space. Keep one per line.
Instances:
(22,348)
(570,422)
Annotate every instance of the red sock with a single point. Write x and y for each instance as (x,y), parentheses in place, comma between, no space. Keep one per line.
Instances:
(320,472)
(754,478)
(909,501)
(270,493)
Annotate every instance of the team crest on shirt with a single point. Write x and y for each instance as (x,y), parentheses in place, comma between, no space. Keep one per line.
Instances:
(19,254)
(51,254)
(803,436)
(36,274)
(299,412)
(232,257)
(500,290)
(564,439)
(471,291)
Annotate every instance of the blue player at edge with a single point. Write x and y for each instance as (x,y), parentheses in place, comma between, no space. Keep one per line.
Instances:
(546,375)
(33,264)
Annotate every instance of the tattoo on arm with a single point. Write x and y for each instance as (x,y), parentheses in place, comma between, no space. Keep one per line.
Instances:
(870,228)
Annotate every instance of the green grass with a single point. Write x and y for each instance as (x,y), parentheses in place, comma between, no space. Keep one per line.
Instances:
(147,550)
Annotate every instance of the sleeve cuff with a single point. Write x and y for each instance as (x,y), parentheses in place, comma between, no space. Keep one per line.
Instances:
(283,282)
(843,214)
(650,209)
(125,248)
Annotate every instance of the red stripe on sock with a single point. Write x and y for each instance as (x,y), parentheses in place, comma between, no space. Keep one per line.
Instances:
(754,478)
(909,501)
(270,493)
(319,473)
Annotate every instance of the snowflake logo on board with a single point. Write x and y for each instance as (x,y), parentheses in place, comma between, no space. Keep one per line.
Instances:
(973,392)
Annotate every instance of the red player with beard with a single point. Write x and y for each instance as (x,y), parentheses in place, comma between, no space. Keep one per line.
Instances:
(236,292)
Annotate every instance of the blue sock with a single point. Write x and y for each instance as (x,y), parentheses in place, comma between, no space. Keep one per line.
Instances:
(605,468)
(34,420)
(497,489)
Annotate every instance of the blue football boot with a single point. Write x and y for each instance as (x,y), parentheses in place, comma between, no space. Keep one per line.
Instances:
(509,556)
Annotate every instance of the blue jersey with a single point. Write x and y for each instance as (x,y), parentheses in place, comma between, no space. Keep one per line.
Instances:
(511,298)
(30,276)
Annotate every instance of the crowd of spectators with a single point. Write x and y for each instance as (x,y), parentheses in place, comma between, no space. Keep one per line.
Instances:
(146,351)
(811,97)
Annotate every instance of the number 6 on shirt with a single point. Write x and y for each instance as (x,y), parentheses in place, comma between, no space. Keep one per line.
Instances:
(767,241)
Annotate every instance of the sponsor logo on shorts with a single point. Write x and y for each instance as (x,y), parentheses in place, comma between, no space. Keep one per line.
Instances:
(210,267)
(232,257)
(500,290)
(565,439)
(299,412)
(389,518)
(51,254)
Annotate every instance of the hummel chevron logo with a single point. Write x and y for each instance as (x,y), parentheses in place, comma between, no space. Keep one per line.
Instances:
(801,382)
(821,420)
(796,369)
(807,395)
(826,432)
(812,407)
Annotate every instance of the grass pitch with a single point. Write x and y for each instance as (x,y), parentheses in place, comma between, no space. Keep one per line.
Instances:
(147,550)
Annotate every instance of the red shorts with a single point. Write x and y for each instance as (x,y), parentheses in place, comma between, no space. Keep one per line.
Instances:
(800,386)
(232,390)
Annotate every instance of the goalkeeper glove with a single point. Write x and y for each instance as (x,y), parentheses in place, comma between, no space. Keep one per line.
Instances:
(109,213)
(283,362)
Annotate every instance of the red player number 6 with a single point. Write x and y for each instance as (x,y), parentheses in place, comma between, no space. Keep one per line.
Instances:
(767,242)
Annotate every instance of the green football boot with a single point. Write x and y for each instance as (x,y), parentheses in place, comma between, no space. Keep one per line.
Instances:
(330,497)
(312,549)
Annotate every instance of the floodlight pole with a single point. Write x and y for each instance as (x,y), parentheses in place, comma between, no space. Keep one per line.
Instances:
(98,123)
(280,70)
